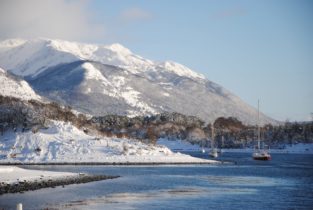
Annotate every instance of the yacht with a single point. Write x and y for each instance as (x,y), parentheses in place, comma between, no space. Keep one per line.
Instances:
(213,151)
(260,153)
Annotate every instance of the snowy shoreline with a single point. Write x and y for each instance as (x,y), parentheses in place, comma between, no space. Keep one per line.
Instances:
(14,179)
(63,143)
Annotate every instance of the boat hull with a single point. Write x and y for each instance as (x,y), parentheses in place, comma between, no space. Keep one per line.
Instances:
(213,155)
(262,158)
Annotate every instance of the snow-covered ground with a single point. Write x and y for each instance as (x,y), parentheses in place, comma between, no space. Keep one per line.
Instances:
(64,143)
(185,146)
(13,174)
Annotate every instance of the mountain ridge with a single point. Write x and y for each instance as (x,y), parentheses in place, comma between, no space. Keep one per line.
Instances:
(14,86)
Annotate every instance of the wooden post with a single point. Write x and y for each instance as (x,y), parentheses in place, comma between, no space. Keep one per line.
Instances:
(19,206)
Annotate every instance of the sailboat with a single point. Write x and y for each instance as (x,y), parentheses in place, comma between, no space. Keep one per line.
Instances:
(213,151)
(222,146)
(260,153)
(202,148)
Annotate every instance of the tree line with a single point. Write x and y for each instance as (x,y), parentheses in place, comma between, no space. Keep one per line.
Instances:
(230,132)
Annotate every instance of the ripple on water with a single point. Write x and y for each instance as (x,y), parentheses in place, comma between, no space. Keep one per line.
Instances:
(246,181)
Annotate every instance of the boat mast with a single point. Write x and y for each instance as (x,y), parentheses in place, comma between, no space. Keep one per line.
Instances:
(258,124)
(212,136)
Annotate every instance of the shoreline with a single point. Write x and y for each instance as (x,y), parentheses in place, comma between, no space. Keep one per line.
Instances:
(300,148)
(23,186)
(117,163)
(272,151)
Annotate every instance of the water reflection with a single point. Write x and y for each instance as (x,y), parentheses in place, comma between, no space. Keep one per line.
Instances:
(246,181)
(131,200)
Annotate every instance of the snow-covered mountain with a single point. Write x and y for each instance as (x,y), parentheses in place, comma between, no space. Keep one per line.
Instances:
(11,85)
(102,80)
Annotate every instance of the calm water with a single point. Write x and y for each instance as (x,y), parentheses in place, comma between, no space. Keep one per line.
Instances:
(286,182)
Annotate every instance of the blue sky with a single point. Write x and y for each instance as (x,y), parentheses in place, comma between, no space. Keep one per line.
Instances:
(256,49)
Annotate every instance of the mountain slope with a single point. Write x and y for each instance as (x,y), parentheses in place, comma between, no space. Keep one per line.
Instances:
(111,79)
(15,87)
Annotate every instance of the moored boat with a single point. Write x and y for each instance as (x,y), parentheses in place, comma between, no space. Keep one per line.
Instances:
(260,153)
(213,151)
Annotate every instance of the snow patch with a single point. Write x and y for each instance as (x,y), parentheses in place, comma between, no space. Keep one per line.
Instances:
(132,97)
(118,81)
(115,88)
(180,69)
(93,73)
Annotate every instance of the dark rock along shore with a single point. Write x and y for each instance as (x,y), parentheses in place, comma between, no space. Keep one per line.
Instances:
(35,185)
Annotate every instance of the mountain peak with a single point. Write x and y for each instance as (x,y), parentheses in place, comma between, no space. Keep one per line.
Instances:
(119,48)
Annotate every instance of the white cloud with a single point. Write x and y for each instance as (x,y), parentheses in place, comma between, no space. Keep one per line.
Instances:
(134,14)
(60,19)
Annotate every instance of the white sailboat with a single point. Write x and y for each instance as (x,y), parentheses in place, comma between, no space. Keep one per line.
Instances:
(202,147)
(260,153)
(213,151)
